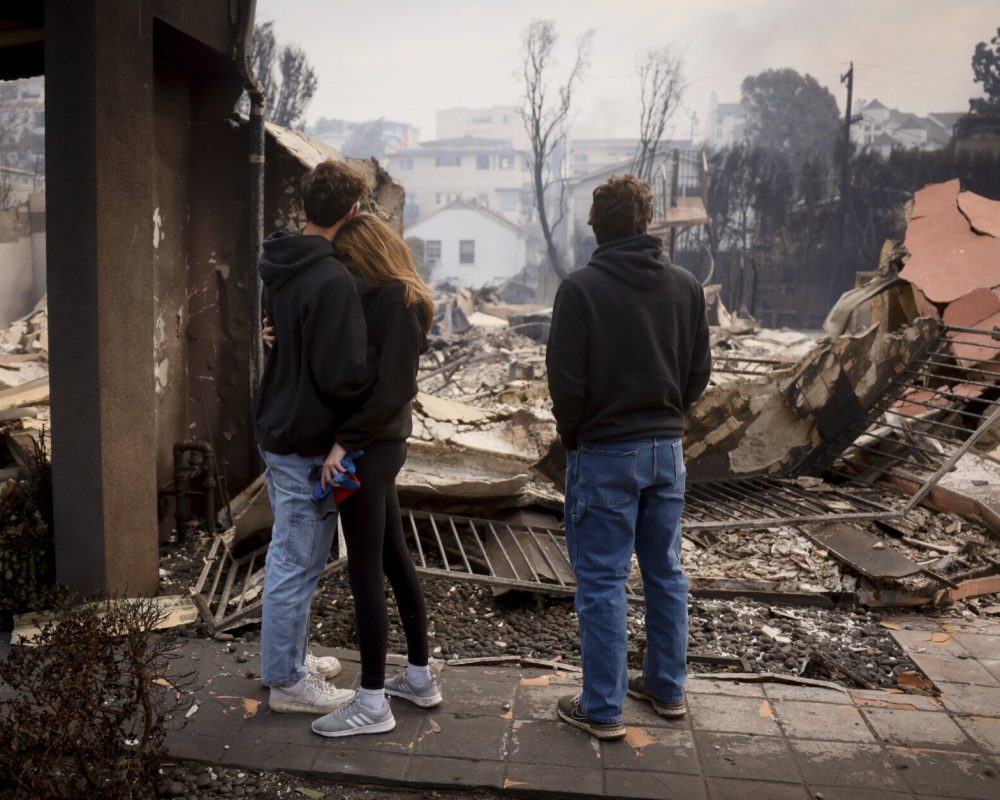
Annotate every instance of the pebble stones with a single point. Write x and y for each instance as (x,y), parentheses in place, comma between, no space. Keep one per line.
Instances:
(197,782)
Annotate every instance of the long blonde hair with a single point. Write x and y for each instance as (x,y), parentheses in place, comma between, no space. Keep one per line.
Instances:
(380,256)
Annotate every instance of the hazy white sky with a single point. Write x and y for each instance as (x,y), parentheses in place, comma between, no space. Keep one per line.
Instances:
(405,59)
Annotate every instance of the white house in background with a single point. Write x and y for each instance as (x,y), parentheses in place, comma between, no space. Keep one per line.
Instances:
(469,245)
(881,128)
(16,185)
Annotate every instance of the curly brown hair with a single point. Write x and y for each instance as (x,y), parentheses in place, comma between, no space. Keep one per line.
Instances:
(329,190)
(622,207)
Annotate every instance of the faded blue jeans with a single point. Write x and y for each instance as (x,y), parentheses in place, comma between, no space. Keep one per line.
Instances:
(623,497)
(296,557)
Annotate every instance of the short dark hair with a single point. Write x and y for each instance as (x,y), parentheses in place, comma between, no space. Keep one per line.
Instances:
(622,207)
(329,190)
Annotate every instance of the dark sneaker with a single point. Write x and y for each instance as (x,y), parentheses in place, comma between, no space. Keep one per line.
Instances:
(637,689)
(354,718)
(426,696)
(569,711)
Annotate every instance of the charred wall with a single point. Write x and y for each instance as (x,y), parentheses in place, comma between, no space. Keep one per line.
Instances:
(199,256)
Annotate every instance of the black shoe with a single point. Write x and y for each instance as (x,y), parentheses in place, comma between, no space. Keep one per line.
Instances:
(569,711)
(637,689)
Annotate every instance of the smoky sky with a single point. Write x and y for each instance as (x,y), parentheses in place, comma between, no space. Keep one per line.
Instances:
(405,59)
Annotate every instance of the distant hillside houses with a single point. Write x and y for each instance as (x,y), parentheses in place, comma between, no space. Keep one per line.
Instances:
(882,129)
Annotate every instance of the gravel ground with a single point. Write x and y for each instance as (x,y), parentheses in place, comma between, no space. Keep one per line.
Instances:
(468,621)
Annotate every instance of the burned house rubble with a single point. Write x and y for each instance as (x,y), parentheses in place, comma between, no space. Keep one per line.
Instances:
(826,471)
(830,474)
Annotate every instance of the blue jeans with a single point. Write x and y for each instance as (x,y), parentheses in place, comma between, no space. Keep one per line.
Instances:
(620,497)
(296,557)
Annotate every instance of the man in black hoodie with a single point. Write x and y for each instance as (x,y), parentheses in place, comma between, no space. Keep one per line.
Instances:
(628,353)
(314,377)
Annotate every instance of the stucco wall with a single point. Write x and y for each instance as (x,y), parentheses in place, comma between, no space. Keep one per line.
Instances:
(499,250)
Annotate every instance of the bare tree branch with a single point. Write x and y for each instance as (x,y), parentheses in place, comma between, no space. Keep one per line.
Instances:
(545,119)
(661,88)
(288,79)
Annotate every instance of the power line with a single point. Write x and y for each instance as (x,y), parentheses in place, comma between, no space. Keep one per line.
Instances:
(914,88)
(914,72)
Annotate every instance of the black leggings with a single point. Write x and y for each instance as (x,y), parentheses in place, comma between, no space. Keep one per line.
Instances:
(376,549)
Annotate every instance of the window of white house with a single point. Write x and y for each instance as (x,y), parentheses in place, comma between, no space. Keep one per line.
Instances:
(506,162)
(432,251)
(406,163)
(448,161)
(482,162)
(437,199)
(508,201)
(506,119)
(482,120)
(483,199)
(467,251)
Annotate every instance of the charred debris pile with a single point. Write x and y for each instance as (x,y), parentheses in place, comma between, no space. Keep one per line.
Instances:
(852,468)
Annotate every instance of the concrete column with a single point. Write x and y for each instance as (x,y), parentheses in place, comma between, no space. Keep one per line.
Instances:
(99,139)
(36,207)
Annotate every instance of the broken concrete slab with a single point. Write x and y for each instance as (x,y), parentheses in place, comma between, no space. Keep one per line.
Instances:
(444,410)
(432,471)
(948,259)
(983,214)
(749,427)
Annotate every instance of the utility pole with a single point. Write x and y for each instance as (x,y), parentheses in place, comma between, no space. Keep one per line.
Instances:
(840,270)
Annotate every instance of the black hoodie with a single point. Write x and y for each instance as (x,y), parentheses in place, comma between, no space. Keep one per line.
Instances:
(316,373)
(396,339)
(628,350)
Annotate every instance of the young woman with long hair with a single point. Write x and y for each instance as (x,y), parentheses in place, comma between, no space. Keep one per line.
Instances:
(398,313)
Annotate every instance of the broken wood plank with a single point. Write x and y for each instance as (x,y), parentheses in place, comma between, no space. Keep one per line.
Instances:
(861,551)
(543,663)
(176,610)
(32,393)
(943,549)
(973,588)
(18,413)
(483,661)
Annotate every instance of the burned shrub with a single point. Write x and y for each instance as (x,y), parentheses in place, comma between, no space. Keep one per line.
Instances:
(84,710)
(27,566)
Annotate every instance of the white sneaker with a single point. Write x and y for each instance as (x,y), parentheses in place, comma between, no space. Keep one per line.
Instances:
(326,667)
(311,695)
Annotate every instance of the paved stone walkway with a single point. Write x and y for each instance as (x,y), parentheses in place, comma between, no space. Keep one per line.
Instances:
(497,729)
